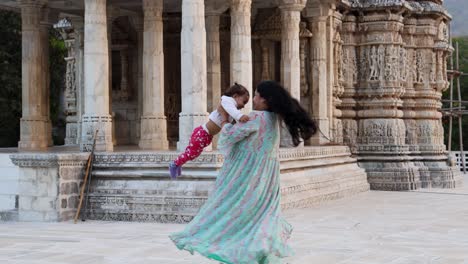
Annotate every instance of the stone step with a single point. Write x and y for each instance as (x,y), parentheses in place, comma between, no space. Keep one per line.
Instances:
(10,215)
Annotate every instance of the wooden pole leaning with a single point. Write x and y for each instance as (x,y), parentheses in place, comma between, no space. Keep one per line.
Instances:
(89,166)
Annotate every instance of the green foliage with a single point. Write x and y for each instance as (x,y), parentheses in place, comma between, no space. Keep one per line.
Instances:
(463,60)
(10,80)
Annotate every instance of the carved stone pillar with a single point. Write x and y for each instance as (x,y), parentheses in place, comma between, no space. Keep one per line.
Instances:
(290,55)
(96,69)
(70,95)
(407,67)
(429,77)
(153,121)
(381,136)
(319,87)
(241,46)
(193,67)
(35,122)
(349,68)
(78,29)
(337,87)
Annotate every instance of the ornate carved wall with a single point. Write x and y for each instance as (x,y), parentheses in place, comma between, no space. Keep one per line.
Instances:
(393,67)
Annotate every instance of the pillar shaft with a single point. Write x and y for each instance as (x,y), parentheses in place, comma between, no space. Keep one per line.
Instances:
(96,71)
(348,104)
(318,67)
(241,45)
(193,67)
(35,123)
(290,53)
(153,120)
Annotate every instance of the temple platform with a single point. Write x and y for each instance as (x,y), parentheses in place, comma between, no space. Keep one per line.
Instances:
(134,185)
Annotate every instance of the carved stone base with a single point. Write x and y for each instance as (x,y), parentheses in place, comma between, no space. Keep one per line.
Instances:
(135,186)
(438,172)
(102,123)
(153,133)
(71,133)
(390,175)
(34,133)
(48,186)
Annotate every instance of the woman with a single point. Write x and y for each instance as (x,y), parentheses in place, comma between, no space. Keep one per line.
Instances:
(240,223)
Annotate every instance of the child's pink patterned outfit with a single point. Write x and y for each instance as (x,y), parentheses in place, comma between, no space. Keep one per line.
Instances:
(198,141)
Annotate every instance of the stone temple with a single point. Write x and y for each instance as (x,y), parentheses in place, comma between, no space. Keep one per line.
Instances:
(144,73)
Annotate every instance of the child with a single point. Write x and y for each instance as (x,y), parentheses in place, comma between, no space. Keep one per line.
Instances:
(232,100)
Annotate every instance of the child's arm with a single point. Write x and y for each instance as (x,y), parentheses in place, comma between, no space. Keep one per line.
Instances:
(229,105)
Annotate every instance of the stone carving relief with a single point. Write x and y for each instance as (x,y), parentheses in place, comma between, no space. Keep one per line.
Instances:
(304,75)
(419,65)
(403,64)
(338,55)
(384,63)
(433,68)
(70,38)
(443,34)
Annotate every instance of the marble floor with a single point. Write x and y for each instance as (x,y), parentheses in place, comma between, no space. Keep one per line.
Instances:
(426,226)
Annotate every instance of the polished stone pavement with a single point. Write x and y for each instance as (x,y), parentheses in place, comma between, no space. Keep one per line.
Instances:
(426,226)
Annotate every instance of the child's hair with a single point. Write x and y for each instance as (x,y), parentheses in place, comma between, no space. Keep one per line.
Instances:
(238,89)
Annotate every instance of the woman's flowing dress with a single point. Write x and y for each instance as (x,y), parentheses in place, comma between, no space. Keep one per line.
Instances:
(241,222)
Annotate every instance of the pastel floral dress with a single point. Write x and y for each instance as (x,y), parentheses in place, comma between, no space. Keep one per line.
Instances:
(241,222)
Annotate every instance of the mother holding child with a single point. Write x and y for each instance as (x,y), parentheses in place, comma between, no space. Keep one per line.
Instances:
(241,222)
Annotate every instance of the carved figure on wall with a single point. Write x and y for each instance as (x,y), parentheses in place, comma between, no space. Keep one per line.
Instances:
(338,57)
(403,63)
(389,76)
(346,65)
(419,67)
(443,32)
(353,66)
(381,61)
(414,69)
(373,64)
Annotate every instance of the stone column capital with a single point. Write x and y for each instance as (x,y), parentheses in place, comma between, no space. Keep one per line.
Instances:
(152,8)
(32,3)
(292,5)
(241,5)
(215,8)
(315,19)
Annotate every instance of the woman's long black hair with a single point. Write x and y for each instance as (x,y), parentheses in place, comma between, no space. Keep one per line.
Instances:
(279,101)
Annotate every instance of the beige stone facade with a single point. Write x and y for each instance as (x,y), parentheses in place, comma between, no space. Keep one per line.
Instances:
(146,73)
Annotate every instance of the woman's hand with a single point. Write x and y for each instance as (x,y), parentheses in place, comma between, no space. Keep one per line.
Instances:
(244,118)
